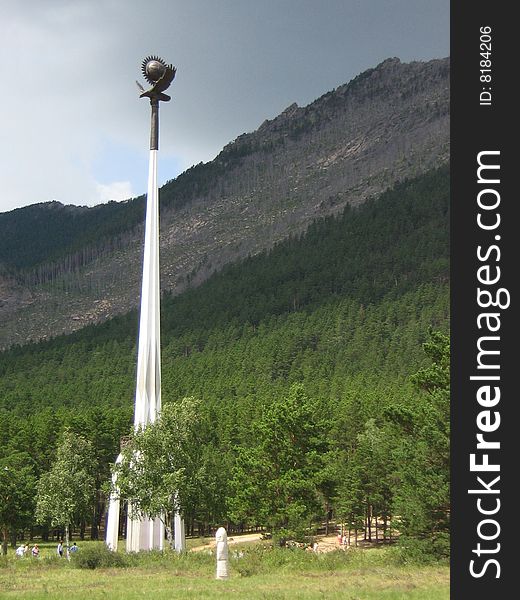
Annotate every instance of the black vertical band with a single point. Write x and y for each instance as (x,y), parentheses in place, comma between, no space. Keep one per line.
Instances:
(154,125)
(484,255)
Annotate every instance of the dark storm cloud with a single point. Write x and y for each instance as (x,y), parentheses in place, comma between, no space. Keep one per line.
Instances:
(239,62)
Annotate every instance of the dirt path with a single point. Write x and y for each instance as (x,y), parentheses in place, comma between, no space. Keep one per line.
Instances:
(237,539)
(325,543)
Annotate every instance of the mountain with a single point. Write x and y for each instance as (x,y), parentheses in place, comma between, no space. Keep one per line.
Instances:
(304,350)
(357,292)
(64,267)
(300,363)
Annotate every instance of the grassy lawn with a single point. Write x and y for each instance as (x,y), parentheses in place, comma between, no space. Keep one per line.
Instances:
(260,573)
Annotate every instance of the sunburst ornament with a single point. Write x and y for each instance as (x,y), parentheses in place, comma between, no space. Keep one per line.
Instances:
(159,75)
(153,68)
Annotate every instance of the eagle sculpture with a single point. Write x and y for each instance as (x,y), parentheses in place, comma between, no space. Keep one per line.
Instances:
(159,75)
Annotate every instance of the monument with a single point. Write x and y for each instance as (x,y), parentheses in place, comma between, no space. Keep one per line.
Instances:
(222,553)
(148,534)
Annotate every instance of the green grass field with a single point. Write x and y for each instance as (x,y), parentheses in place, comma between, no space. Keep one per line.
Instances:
(261,573)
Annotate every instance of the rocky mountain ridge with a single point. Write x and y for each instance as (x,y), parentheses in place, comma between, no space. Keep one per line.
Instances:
(387,124)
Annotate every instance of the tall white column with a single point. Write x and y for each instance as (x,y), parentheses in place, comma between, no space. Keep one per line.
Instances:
(148,388)
(112,531)
(148,534)
(179,533)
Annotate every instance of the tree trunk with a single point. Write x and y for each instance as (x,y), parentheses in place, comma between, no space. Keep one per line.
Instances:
(327,520)
(93,529)
(67,539)
(169,537)
(5,540)
(123,521)
(96,518)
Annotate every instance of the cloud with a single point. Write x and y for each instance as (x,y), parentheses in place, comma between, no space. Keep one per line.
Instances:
(69,70)
(118,190)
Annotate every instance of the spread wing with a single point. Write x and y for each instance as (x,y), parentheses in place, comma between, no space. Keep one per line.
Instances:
(165,80)
(163,83)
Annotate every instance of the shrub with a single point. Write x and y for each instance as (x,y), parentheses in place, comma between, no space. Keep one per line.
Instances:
(250,561)
(424,551)
(268,559)
(95,556)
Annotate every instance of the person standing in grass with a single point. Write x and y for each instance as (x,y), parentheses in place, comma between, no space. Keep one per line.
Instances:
(35,551)
(59,549)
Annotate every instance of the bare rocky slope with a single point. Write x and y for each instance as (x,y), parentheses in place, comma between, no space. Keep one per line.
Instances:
(387,124)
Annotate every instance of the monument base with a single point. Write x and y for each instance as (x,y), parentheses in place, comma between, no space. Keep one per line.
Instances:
(179,533)
(144,534)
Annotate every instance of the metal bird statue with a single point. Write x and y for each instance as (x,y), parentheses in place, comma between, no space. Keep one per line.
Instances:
(159,75)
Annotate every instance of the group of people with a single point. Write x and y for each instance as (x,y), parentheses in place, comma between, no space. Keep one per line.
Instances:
(69,550)
(23,550)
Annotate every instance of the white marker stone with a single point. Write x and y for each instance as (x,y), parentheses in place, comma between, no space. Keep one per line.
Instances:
(222,554)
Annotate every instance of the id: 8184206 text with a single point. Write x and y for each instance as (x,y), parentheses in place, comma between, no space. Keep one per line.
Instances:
(486,74)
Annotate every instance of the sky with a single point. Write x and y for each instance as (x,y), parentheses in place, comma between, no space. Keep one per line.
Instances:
(72,126)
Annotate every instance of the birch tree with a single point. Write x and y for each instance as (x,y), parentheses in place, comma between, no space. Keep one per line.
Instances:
(159,473)
(66,492)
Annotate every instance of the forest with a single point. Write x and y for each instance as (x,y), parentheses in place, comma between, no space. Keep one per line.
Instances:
(316,376)
(62,233)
